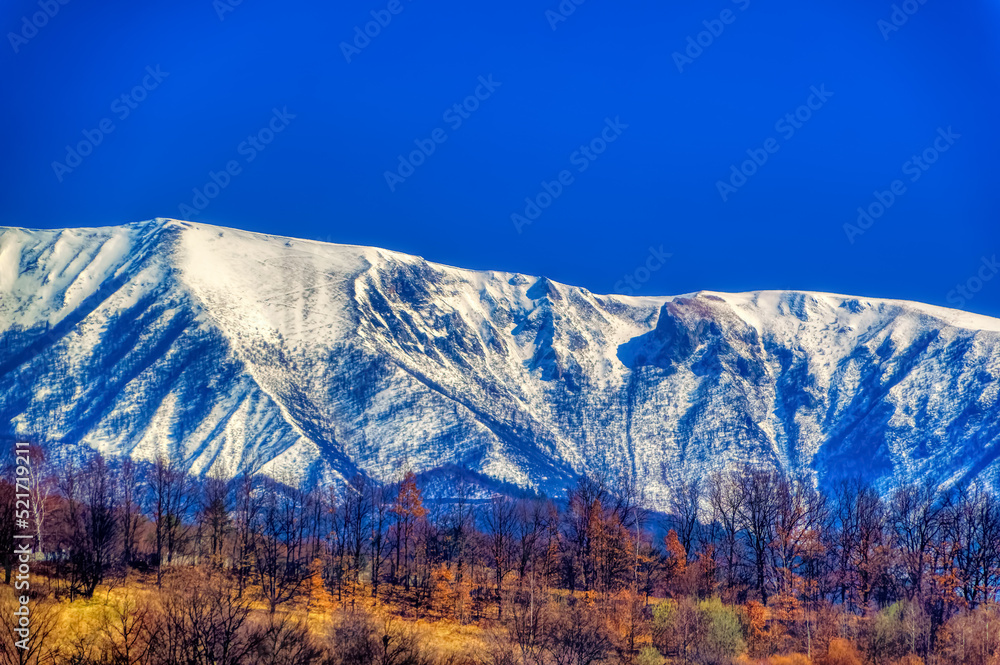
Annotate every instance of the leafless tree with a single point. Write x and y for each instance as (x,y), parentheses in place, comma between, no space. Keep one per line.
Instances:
(868,557)
(282,564)
(726,501)
(129,508)
(970,523)
(685,509)
(530,520)
(576,636)
(204,622)
(87,524)
(527,622)
(214,515)
(41,484)
(128,628)
(799,515)
(283,639)
(170,504)
(378,523)
(757,515)
(915,517)
(498,524)
(100,527)
(247,511)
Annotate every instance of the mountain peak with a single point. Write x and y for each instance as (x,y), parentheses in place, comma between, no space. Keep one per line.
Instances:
(225,348)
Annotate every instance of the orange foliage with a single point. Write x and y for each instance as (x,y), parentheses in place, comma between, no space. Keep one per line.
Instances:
(409,501)
(318,597)
(444,596)
(758,632)
(786,608)
(676,556)
(841,652)
(790,659)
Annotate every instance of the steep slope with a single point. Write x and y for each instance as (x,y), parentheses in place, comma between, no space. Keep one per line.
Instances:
(224,348)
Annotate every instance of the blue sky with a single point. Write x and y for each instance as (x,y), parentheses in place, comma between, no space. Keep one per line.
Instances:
(609,116)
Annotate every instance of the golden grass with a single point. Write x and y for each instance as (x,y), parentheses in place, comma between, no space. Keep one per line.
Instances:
(79,620)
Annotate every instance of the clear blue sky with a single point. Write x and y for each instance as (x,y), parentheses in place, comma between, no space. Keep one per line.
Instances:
(552,91)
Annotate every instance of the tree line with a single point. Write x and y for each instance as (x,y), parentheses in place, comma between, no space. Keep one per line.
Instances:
(747,562)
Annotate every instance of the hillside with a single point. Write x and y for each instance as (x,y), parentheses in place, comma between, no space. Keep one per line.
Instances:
(225,348)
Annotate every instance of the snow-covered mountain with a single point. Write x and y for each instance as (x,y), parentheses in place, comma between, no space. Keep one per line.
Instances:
(224,348)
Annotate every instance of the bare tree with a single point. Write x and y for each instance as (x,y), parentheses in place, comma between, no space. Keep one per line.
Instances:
(378,540)
(169,506)
(204,621)
(128,629)
(970,524)
(528,621)
(246,514)
(498,522)
(576,636)
(799,514)
(530,519)
(357,511)
(842,538)
(685,509)
(869,548)
(88,528)
(41,484)
(283,639)
(726,501)
(100,526)
(914,514)
(282,563)
(214,515)
(757,516)
(130,509)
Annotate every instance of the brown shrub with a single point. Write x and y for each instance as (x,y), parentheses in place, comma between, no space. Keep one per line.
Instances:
(841,652)
(359,638)
(789,659)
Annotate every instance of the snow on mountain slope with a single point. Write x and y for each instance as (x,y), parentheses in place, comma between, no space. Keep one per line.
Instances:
(225,348)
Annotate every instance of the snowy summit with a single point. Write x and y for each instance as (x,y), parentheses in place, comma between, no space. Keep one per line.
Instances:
(224,348)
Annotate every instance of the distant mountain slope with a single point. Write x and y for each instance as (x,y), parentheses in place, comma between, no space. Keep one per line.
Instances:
(221,347)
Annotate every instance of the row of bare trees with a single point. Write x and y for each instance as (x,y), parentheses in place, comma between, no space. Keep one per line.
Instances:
(749,535)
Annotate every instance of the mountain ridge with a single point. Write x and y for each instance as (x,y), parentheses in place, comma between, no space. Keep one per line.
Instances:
(225,348)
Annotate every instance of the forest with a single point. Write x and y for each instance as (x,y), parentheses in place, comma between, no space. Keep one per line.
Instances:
(143,563)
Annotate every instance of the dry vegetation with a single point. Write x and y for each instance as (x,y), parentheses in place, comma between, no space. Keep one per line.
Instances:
(150,566)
